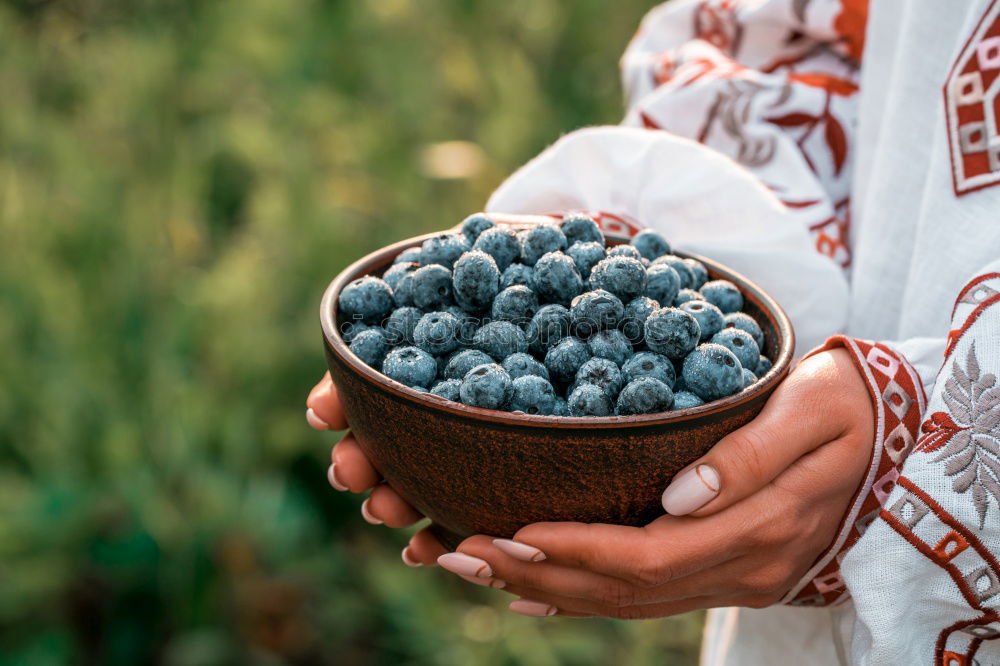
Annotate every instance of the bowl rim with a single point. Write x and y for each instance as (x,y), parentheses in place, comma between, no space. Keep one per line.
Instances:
(336,344)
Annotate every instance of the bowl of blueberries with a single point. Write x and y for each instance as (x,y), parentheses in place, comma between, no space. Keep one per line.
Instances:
(518,369)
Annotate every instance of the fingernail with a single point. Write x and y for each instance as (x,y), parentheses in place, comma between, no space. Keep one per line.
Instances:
(408,558)
(519,551)
(532,608)
(495,583)
(331,476)
(367,514)
(691,490)
(465,565)
(315,421)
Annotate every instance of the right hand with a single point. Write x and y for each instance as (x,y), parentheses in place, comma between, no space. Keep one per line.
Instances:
(350,471)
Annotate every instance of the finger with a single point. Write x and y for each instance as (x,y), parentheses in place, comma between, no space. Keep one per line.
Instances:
(386,506)
(545,605)
(324,408)
(424,548)
(321,384)
(350,466)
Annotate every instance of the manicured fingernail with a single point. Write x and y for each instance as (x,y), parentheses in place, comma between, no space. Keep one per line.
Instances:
(315,421)
(465,565)
(408,558)
(367,514)
(532,608)
(495,583)
(519,551)
(331,476)
(691,490)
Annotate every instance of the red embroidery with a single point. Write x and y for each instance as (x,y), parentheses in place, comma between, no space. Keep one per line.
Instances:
(850,25)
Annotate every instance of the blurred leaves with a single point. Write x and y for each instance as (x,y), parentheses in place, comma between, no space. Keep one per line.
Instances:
(178,182)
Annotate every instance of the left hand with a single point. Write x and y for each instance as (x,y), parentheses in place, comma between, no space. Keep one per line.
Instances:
(750,518)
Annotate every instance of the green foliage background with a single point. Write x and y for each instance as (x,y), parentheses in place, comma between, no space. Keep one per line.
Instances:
(179,179)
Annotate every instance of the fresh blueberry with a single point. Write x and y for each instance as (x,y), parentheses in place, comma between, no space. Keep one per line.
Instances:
(585,256)
(624,277)
(610,344)
(432,287)
(685,399)
(448,389)
(400,324)
(709,317)
(644,395)
(368,299)
(371,347)
(487,386)
(516,304)
(712,372)
(679,385)
(594,311)
(685,295)
(411,366)
(465,360)
(409,255)
(437,333)
(350,329)
(672,332)
(763,365)
(699,274)
(443,249)
(683,270)
(397,271)
(501,244)
(634,321)
(589,400)
(532,395)
(625,251)
(723,294)
(565,358)
(650,364)
(745,322)
(519,365)
(476,280)
(560,408)
(556,278)
(467,325)
(549,325)
(402,293)
(601,372)
(539,240)
(740,343)
(500,339)
(662,283)
(748,378)
(474,225)
(579,228)
(650,244)
(517,273)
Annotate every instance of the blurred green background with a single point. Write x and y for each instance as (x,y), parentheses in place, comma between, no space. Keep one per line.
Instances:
(178,182)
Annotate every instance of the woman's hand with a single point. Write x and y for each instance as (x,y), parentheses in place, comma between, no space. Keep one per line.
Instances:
(350,470)
(748,519)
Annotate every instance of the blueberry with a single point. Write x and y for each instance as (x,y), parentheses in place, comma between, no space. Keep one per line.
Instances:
(539,240)
(476,280)
(465,360)
(748,378)
(519,365)
(709,317)
(397,271)
(432,287)
(371,347)
(532,395)
(634,321)
(699,274)
(603,373)
(467,325)
(448,389)
(650,364)
(556,278)
(763,365)
(585,256)
(662,283)
(565,358)
(474,225)
(594,311)
(683,270)
(625,251)
(402,293)
(549,325)
(368,299)
(671,332)
(516,304)
(579,228)
(486,385)
(644,395)
(745,322)
(650,244)
(723,294)
(501,244)
(517,273)
(560,408)
(411,366)
(443,249)
(437,333)
(400,324)
(712,372)
(685,399)
(679,385)
(624,277)
(685,295)
(612,345)
(350,330)
(589,400)
(500,339)
(740,343)
(409,255)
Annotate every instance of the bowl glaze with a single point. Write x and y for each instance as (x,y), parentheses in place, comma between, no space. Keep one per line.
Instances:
(480,471)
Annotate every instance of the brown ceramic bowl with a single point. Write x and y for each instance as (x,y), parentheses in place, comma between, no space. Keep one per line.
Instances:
(480,471)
